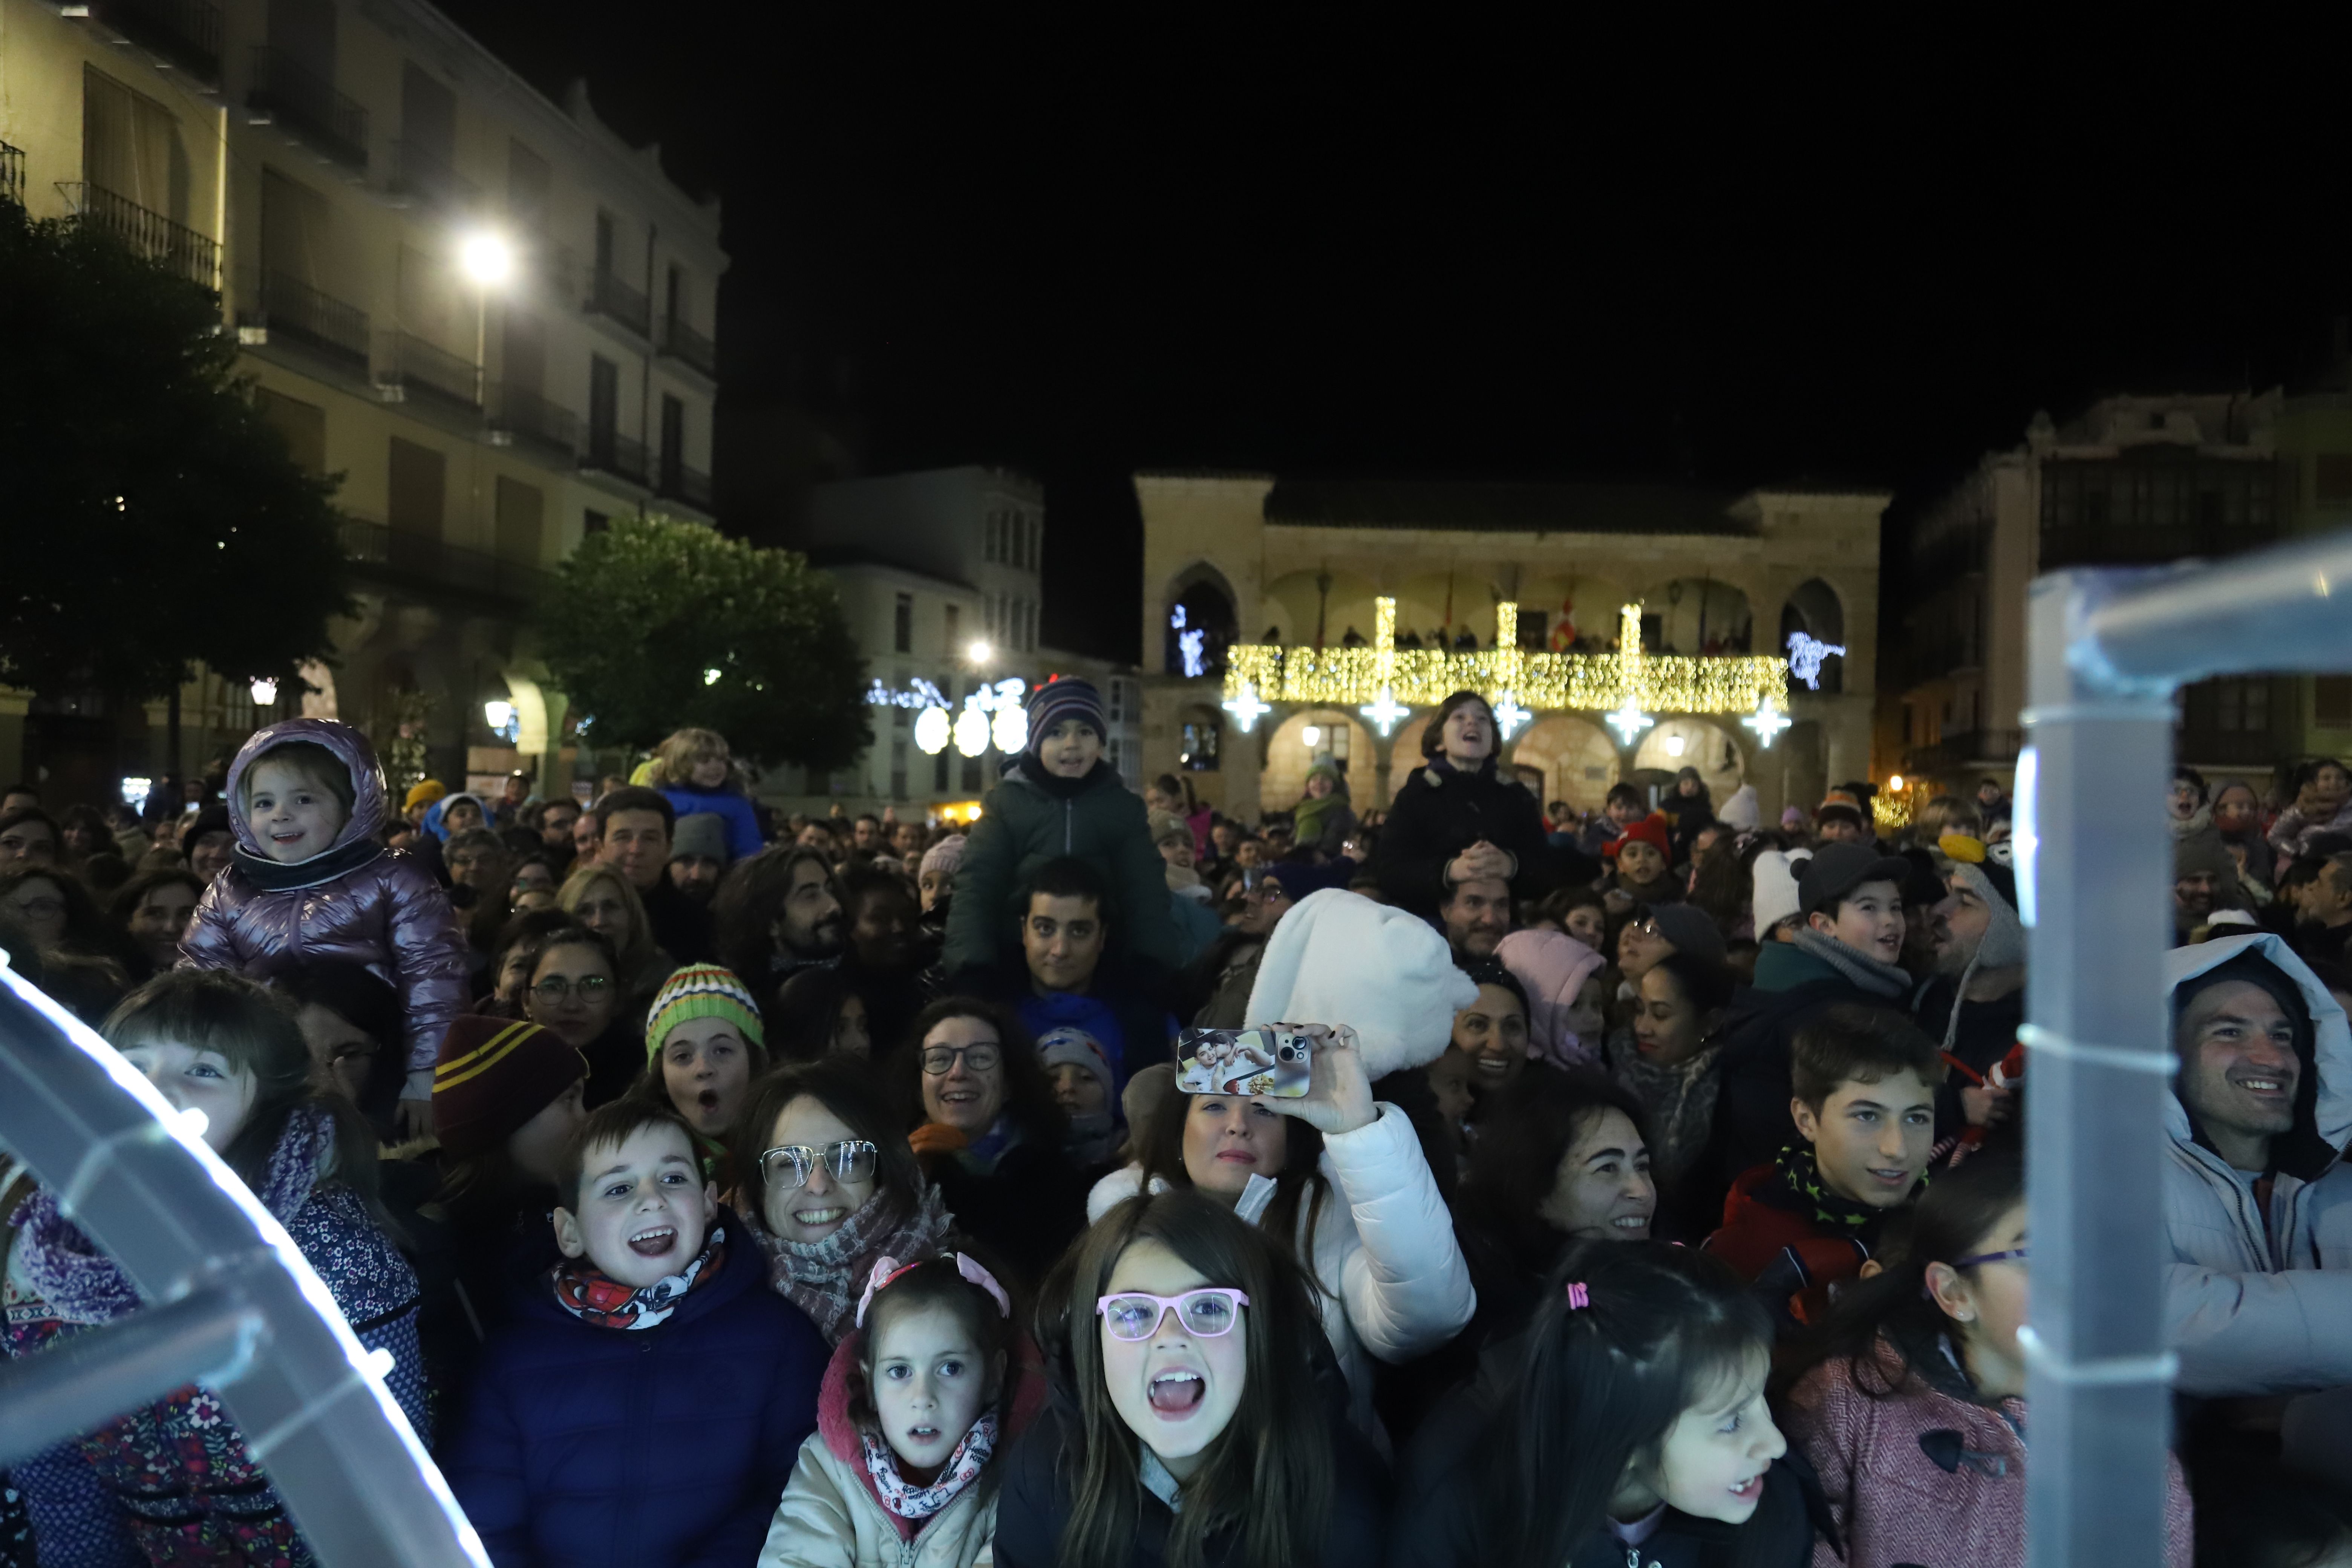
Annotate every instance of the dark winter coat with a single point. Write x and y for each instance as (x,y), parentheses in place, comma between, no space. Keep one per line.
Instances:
(358,902)
(1025,1210)
(651,1448)
(1439,814)
(1034,1506)
(680,927)
(1024,824)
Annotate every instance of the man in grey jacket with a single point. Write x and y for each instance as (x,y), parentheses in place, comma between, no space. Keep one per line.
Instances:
(2257,1200)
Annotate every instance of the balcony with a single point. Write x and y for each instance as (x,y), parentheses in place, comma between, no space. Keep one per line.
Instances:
(608,296)
(188,33)
(2207,746)
(421,173)
(1990,748)
(680,483)
(304,105)
(610,452)
(291,309)
(175,247)
(420,564)
(688,347)
(12,174)
(529,420)
(418,367)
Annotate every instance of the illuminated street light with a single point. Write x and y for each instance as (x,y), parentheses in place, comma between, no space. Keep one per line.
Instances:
(1895,784)
(1312,735)
(486,258)
(499,712)
(979,652)
(931,730)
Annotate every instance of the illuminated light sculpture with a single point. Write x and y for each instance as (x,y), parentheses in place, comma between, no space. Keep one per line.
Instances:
(1384,711)
(1246,708)
(1628,721)
(931,731)
(1767,722)
(971,732)
(1009,729)
(1805,656)
(1191,644)
(1509,715)
(711,678)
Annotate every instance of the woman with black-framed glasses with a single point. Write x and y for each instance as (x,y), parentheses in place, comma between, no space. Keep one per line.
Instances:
(574,993)
(830,1185)
(1913,1410)
(989,1132)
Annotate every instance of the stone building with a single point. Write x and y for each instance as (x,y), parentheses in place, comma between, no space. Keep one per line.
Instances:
(485,311)
(1248,574)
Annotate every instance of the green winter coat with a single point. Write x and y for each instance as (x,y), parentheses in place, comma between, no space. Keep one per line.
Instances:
(1021,828)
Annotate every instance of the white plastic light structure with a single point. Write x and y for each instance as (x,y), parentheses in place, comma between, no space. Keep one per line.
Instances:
(1629,722)
(1805,656)
(1385,713)
(1767,722)
(1509,715)
(971,732)
(1245,707)
(1311,736)
(2024,832)
(1191,644)
(486,258)
(931,731)
(710,677)
(264,692)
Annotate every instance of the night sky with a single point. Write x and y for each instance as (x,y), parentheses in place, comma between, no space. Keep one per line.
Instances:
(1078,252)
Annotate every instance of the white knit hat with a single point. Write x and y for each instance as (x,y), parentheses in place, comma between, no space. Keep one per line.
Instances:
(1741,813)
(1776,889)
(1340,958)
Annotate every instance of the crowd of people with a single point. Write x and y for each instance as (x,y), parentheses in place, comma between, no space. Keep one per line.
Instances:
(730,1188)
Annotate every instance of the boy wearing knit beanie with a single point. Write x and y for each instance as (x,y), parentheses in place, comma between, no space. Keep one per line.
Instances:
(1060,797)
(705,1044)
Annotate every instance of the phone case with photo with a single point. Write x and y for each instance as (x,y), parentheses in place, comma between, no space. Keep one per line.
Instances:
(1276,1063)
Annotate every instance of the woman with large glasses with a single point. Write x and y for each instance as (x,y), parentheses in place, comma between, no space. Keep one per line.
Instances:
(830,1185)
(1196,1426)
(988,1135)
(575,995)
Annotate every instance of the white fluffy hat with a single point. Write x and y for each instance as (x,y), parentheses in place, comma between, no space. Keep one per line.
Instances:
(1776,889)
(1340,958)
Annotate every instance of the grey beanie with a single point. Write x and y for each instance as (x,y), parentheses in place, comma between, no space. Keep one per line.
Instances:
(701,836)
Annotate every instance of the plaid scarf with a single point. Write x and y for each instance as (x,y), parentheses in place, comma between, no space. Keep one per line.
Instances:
(910,1501)
(823,1278)
(596,1297)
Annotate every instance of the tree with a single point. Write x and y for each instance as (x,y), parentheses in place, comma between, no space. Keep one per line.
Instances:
(154,515)
(654,624)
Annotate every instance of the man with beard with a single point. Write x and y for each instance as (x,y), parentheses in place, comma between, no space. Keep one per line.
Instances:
(778,913)
(1976,1002)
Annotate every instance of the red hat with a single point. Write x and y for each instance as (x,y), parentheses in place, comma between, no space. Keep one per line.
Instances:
(1650,830)
(492,1076)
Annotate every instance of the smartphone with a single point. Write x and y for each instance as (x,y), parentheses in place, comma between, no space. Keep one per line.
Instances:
(1273,1062)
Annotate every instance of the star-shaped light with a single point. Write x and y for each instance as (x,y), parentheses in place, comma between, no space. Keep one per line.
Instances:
(1509,715)
(1245,707)
(1385,713)
(1629,722)
(1767,722)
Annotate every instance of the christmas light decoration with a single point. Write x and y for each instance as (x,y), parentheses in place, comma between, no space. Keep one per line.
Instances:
(931,731)
(1767,722)
(1384,711)
(1245,707)
(1628,721)
(1509,715)
(1009,729)
(265,692)
(711,678)
(1805,656)
(971,732)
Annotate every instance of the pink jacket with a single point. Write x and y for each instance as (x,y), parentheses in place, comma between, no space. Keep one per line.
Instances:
(359,902)
(1895,1503)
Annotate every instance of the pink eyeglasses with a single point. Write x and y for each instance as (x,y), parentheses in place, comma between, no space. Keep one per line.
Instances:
(1210,1313)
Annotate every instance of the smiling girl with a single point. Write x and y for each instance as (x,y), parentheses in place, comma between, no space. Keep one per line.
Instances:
(174,1481)
(1191,1425)
(1632,1429)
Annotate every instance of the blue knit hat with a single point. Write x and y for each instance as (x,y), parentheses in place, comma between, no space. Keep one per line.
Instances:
(1067,698)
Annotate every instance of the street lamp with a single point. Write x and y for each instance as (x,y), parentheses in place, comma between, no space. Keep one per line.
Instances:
(979,651)
(489,262)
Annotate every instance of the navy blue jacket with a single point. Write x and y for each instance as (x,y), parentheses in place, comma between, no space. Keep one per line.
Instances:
(662,1447)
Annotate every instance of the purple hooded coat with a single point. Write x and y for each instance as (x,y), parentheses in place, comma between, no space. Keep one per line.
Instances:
(359,902)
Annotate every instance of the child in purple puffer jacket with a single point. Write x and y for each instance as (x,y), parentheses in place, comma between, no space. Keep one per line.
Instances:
(312,880)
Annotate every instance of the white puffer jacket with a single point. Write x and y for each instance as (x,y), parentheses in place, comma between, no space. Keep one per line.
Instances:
(1392,1281)
(2253,1310)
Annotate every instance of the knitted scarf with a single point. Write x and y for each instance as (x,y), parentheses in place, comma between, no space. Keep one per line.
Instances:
(1797,1178)
(83,1285)
(1680,1098)
(823,1277)
(596,1297)
(1880,979)
(906,1499)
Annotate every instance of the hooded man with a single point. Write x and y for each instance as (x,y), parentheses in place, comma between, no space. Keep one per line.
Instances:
(2204,878)
(1975,1003)
(2257,1204)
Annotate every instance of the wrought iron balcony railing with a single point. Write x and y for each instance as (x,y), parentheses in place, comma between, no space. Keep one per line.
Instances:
(304,105)
(292,308)
(422,173)
(185,32)
(691,348)
(610,452)
(417,561)
(679,482)
(12,174)
(531,419)
(173,245)
(415,365)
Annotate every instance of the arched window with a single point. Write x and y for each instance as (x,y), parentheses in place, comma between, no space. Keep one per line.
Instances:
(1201,627)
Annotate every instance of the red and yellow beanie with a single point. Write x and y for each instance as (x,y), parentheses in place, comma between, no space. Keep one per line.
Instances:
(701,991)
(492,1076)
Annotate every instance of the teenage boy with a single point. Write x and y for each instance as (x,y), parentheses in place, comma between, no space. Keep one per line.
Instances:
(1843,950)
(649,1400)
(1864,1108)
(2257,1200)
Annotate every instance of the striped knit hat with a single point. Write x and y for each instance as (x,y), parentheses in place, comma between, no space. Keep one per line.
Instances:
(1069,697)
(700,991)
(492,1076)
